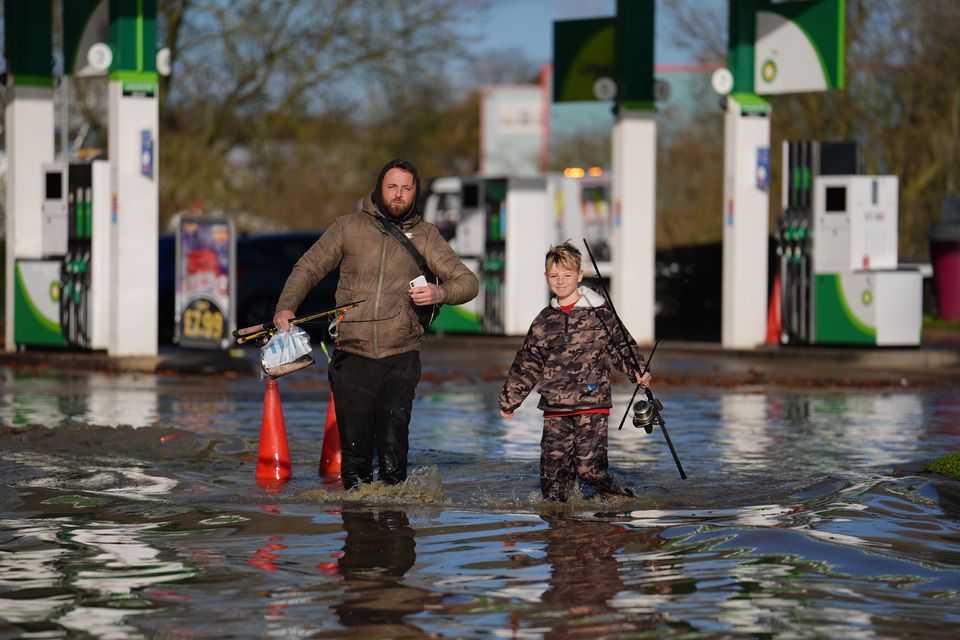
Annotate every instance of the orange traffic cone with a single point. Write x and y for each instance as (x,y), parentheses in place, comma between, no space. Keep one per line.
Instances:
(774,325)
(273,459)
(330,455)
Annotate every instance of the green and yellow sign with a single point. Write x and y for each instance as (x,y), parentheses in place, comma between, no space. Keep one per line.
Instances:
(29,42)
(799,46)
(583,57)
(606,58)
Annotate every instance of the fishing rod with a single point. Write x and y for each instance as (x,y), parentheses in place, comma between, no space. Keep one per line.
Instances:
(646,412)
(268,329)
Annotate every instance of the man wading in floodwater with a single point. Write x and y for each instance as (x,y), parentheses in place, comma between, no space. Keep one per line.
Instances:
(376,366)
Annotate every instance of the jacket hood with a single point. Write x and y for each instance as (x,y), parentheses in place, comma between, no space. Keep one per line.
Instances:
(589,299)
(374,201)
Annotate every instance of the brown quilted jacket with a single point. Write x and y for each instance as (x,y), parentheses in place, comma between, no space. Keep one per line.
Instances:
(569,356)
(375,268)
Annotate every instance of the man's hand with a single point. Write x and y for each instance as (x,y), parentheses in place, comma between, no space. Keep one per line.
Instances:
(423,296)
(281,320)
(506,414)
(644,380)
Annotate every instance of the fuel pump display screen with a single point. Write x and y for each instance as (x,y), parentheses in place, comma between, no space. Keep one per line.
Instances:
(471,196)
(836,200)
(54,185)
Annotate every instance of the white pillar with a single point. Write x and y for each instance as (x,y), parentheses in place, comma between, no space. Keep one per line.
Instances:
(745,229)
(633,236)
(135,220)
(28,124)
(100,313)
(525,290)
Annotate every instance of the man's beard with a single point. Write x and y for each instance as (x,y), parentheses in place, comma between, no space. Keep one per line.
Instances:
(397,209)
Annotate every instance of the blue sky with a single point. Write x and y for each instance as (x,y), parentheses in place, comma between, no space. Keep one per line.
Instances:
(528,25)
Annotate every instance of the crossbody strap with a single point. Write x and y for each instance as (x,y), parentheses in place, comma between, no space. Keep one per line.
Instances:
(402,238)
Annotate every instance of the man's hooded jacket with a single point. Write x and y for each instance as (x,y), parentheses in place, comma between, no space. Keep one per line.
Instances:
(377,269)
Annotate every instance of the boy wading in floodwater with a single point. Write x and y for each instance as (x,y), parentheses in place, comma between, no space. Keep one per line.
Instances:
(568,352)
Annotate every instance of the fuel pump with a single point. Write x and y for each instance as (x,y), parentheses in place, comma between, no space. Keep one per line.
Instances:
(804,161)
(494,250)
(75,279)
(456,205)
(62,297)
(37,290)
(470,213)
(500,227)
(837,242)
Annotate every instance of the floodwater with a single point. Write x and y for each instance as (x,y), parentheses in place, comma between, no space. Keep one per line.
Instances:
(129,508)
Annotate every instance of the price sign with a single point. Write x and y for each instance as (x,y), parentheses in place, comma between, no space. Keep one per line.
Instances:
(206,283)
(203,320)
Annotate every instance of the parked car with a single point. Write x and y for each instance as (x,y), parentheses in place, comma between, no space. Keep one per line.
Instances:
(264,260)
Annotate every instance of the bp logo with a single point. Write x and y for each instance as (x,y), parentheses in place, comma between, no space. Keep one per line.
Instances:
(866,297)
(768,71)
(55,291)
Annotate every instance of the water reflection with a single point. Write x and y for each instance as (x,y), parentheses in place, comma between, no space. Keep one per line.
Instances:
(828,431)
(131,482)
(585,576)
(52,398)
(378,550)
(878,430)
(872,547)
(82,577)
(744,433)
(572,575)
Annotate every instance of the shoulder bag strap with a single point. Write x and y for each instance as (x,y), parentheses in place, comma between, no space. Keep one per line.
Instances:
(402,238)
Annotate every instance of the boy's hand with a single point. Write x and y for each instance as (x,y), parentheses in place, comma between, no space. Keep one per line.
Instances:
(644,380)
(506,414)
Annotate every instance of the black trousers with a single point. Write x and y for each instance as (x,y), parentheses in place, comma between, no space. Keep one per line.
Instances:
(373,401)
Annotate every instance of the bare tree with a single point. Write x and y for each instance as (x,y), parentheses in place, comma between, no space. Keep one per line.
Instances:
(254,56)
(255,84)
(699,27)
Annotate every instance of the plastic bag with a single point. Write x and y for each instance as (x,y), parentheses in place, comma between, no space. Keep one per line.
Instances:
(286,352)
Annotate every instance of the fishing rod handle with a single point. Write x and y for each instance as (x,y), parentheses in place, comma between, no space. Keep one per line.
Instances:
(263,326)
(253,336)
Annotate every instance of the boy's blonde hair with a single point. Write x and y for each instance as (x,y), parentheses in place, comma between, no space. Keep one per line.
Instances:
(563,255)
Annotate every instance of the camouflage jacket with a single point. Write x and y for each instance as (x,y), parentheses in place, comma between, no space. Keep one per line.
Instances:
(569,356)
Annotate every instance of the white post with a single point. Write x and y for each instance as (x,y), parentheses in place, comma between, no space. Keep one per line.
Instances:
(134,223)
(525,290)
(745,229)
(29,127)
(633,236)
(100,312)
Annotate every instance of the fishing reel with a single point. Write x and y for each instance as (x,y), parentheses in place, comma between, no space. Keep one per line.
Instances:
(645,413)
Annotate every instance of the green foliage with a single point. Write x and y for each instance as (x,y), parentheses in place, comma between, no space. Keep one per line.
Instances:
(948,465)
(932,322)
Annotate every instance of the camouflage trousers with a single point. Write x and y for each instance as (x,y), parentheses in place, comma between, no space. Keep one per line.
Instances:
(575,446)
